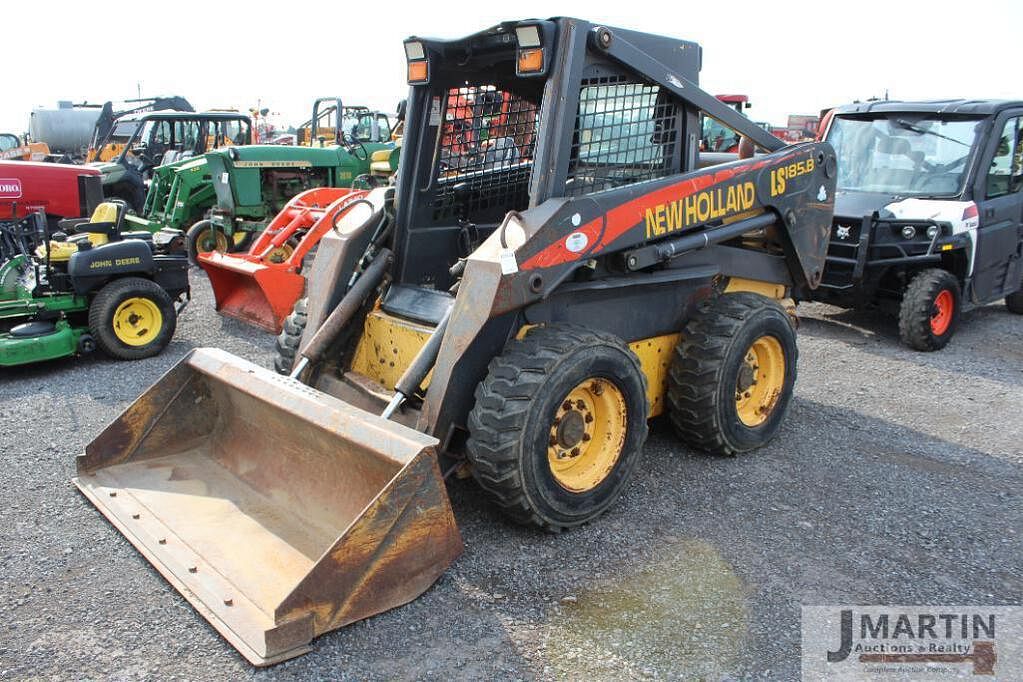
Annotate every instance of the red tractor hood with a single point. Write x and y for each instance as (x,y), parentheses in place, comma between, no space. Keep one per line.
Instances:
(61,190)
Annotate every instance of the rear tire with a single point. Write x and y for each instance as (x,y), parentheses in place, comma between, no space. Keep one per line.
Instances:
(132,318)
(733,374)
(558,425)
(133,197)
(287,342)
(200,238)
(1014,301)
(929,313)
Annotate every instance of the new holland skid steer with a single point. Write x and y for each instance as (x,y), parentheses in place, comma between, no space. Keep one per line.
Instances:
(550,271)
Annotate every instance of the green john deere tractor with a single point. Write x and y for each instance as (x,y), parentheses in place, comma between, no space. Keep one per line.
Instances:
(225,196)
(179,194)
(140,144)
(253,184)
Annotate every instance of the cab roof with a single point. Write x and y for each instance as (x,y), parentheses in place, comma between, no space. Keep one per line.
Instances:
(673,52)
(184,115)
(957,107)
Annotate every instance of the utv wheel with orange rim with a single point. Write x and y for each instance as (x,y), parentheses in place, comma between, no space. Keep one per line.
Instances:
(732,377)
(929,313)
(558,425)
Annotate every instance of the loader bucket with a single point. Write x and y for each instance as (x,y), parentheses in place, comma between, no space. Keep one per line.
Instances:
(252,291)
(261,288)
(278,511)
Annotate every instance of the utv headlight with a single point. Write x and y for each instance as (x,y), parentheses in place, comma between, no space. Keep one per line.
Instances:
(933,231)
(908,232)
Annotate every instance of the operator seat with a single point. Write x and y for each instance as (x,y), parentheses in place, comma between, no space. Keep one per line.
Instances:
(104,226)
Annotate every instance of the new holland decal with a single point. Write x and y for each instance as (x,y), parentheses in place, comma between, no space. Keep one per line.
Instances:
(699,208)
(703,198)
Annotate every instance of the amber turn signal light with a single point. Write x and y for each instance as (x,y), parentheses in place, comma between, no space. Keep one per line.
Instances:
(530,60)
(418,72)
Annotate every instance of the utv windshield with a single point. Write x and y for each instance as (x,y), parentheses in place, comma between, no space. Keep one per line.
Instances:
(903,154)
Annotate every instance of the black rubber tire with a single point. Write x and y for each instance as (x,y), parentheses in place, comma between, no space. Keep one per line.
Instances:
(286,344)
(192,240)
(1014,301)
(704,371)
(918,306)
(104,305)
(515,403)
(133,197)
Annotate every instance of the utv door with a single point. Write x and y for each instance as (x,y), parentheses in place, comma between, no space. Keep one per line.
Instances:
(998,261)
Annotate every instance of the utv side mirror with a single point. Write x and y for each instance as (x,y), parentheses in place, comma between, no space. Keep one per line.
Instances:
(402,107)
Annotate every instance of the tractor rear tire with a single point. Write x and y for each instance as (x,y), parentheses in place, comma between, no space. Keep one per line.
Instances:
(558,425)
(200,237)
(733,373)
(134,198)
(929,313)
(132,318)
(287,342)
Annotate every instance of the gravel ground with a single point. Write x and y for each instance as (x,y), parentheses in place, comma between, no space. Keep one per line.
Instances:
(896,479)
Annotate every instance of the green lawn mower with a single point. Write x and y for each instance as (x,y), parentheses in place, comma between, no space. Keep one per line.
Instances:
(66,294)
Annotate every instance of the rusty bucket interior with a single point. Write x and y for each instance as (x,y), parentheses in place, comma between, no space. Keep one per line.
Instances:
(278,511)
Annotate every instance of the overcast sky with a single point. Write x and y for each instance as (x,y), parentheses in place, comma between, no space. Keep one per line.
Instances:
(789,57)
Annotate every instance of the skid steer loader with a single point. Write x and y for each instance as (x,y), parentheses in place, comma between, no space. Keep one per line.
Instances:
(550,270)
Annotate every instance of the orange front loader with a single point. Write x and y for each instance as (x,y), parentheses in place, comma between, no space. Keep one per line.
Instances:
(261,286)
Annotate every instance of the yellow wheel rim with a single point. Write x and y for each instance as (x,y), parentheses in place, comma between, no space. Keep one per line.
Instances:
(760,381)
(137,322)
(208,239)
(281,254)
(587,435)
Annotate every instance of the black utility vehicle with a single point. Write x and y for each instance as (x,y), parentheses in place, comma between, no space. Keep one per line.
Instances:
(928,212)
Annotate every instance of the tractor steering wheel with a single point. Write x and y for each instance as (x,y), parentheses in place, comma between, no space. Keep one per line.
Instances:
(355,147)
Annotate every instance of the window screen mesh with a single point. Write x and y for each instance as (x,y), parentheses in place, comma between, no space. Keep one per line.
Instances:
(486,151)
(625,133)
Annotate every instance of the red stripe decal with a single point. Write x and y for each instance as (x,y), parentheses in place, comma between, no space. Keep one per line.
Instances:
(621,219)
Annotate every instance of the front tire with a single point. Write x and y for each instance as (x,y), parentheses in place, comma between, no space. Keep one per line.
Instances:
(929,313)
(558,425)
(202,238)
(287,342)
(132,318)
(1014,301)
(733,374)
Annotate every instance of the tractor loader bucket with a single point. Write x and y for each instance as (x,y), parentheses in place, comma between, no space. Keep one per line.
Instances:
(262,286)
(251,291)
(278,511)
